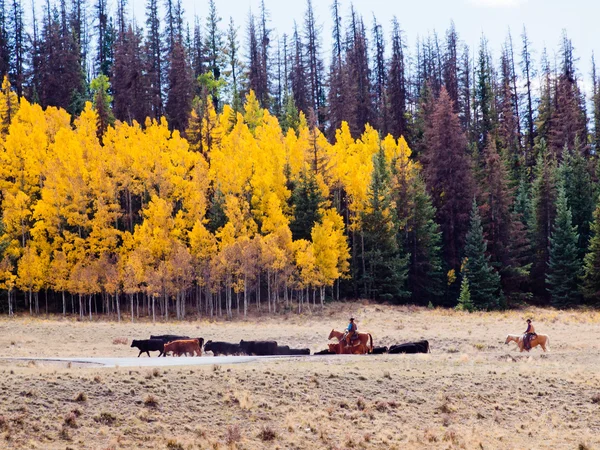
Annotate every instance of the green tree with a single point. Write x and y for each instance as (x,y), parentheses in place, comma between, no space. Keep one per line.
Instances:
(307,201)
(564,265)
(579,190)
(384,266)
(484,281)
(102,101)
(464,300)
(423,238)
(591,270)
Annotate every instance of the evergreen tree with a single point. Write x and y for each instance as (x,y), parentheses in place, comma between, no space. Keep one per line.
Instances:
(543,201)
(315,64)
(464,300)
(564,265)
(448,176)
(307,202)
(384,266)
(591,270)
(180,85)
(423,240)
(484,281)
(527,70)
(102,101)
(397,95)
(577,181)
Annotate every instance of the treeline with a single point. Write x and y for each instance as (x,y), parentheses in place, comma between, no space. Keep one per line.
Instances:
(205,176)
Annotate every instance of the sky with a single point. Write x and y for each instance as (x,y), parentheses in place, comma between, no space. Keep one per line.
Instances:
(545,20)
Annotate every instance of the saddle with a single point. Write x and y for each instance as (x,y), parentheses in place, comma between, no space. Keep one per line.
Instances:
(527,337)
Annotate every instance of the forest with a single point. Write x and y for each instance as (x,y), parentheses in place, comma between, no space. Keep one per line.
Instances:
(204,168)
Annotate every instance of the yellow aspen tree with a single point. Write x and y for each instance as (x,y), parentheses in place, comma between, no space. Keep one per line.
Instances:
(9,105)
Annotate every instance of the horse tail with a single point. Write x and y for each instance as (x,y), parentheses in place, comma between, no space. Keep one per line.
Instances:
(371,338)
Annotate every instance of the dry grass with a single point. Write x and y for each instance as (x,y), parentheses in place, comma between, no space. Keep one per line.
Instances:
(472,391)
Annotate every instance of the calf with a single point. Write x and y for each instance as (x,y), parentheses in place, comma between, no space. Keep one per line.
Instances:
(379,350)
(299,351)
(259,348)
(149,345)
(325,352)
(180,347)
(170,337)
(222,348)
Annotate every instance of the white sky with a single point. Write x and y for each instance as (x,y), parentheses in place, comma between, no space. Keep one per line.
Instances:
(544,19)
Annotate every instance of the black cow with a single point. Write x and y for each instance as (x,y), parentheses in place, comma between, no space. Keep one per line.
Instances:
(411,347)
(283,350)
(299,351)
(149,345)
(166,338)
(379,350)
(325,352)
(222,348)
(259,348)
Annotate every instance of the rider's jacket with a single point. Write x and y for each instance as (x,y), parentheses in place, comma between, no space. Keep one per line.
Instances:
(351,327)
(530,329)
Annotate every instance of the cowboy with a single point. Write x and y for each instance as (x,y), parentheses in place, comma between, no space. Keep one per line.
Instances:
(529,335)
(350,331)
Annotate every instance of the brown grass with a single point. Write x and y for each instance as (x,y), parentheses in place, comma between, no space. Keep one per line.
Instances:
(472,391)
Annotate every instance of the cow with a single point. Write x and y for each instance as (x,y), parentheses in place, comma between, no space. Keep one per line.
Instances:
(222,348)
(283,350)
(149,345)
(180,347)
(299,351)
(170,337)
(325,352)
(379,350)
(411,347)
(259,348)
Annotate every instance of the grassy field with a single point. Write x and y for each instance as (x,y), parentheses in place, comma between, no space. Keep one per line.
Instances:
(472,391)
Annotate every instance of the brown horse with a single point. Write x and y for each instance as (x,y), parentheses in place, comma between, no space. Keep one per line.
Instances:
(341,349)
(539,339)
(365,343)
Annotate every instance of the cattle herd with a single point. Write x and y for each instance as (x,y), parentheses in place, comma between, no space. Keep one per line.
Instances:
(183,345)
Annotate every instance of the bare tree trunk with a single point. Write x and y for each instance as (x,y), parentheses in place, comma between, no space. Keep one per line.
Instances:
(90,300)
(131,301)
(10,305)
(64,304)
(80,308)
(118,307)
(153,310)
(245,296)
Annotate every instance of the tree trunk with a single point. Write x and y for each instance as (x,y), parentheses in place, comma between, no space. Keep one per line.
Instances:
(118,307)
(153,311)
(64,301)
(90,300)
(245,296)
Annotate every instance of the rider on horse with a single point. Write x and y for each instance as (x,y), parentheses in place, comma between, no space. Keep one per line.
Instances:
(351,331)
(529,335)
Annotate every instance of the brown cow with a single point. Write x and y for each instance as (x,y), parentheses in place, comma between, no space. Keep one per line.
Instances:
(178,348)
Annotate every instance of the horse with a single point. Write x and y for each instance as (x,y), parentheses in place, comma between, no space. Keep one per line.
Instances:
(539,339)
(340,349)
(365,344)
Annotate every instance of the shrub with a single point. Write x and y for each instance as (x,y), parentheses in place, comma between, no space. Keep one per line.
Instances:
(267,434)
(151,401)
(233,435)
(120,341)
(81,397)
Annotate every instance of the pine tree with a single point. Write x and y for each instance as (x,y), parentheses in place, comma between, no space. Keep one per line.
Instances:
(423,240)
(337,90)
(464,300)
(484,281)
(527,70)
(564,265)
(154,60)
(307,202)
(543,201)
(102,101)
(577,181)
(396,95)
(384,269)
(591,270)
(315,64)
(448,175)
(180,85)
